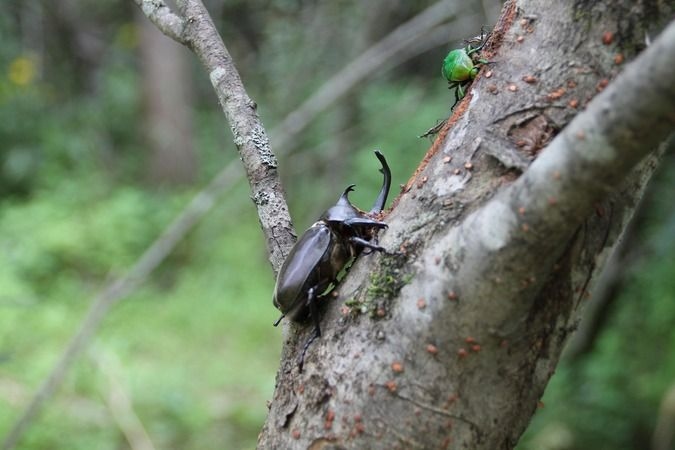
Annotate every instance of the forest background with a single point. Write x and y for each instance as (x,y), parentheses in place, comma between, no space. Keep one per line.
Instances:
(88,180)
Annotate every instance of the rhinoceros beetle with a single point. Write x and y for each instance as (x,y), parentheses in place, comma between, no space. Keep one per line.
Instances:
(342,233)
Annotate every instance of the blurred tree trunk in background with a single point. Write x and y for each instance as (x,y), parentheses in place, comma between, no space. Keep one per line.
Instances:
(168,105)
(381,17)
(491,9)
(347,115)
(74,43)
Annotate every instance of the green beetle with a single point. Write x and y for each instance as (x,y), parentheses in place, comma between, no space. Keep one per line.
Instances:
(461,66)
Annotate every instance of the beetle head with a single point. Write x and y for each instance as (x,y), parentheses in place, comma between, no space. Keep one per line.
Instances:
(342,210)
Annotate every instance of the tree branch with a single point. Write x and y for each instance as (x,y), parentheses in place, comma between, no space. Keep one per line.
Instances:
(119,402)
(195,29)
(160,15)
(582,165)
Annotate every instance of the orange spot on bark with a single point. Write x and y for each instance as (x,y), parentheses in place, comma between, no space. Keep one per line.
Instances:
(555,95)
(607,37)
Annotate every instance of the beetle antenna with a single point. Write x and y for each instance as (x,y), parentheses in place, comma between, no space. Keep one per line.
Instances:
(381,199)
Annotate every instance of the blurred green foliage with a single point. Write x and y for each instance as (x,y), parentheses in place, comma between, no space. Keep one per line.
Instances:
(194,348)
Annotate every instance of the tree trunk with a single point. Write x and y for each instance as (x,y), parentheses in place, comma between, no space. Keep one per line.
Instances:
(451,337)
(168,107)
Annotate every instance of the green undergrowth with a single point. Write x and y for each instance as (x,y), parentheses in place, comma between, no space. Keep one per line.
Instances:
(194,347)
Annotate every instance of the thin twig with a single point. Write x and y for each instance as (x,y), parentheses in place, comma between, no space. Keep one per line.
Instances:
(119,403)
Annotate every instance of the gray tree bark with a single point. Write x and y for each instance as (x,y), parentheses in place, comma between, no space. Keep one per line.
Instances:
(449,340)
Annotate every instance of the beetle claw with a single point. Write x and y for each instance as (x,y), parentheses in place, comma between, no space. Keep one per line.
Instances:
(279,320)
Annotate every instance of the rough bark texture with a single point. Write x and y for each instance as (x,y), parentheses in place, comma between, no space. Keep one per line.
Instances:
(449,341)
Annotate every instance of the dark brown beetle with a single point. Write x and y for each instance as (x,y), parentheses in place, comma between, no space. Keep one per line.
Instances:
(340,234)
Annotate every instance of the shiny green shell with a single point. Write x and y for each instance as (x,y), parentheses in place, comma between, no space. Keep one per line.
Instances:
(458,66)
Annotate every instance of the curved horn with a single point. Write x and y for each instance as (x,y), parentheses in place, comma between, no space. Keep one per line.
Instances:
(344,198)
(381,199)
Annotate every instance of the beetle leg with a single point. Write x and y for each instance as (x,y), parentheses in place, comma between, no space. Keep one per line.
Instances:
(458,97)
(433,130)
(364,243)
(301,361)
(374,242)
(314,314)
(483,40)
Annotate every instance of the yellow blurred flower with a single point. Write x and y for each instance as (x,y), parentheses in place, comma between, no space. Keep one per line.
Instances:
(22,71)
(127,36)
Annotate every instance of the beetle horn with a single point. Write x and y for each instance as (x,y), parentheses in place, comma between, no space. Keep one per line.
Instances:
(344,198)
(381,199)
